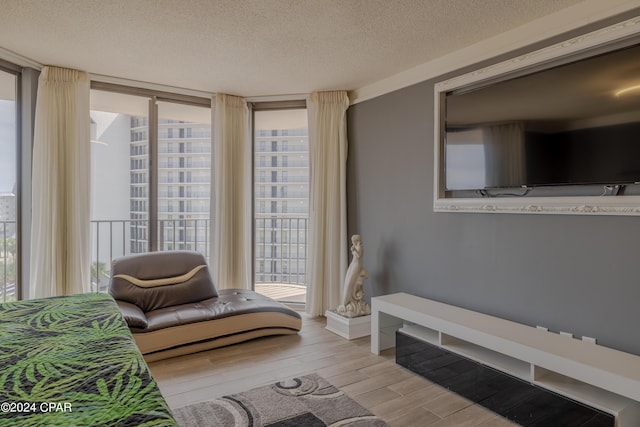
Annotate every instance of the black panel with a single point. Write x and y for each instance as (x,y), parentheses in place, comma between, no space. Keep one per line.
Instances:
(517,400)
(601,148)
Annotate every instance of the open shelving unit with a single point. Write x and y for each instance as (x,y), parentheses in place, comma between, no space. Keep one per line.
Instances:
(601,377)
(487,357)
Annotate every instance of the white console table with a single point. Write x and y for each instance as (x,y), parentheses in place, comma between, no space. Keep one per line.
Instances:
(598,376)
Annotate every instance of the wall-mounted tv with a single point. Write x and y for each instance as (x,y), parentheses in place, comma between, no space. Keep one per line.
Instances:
(575,123)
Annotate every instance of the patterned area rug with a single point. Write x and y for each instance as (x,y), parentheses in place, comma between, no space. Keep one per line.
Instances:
(308,401)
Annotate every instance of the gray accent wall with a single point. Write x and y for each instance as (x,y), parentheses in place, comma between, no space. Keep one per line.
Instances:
(572,273)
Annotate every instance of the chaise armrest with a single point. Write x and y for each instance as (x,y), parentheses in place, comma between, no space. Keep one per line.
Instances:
(132,314)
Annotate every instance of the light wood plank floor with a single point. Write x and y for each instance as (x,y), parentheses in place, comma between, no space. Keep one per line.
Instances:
(376,382)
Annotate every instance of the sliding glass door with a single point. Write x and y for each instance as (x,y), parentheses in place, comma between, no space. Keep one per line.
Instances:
(151,163)
(119,180)
(281,189)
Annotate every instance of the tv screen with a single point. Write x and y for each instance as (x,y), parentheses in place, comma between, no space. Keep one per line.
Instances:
(577,123)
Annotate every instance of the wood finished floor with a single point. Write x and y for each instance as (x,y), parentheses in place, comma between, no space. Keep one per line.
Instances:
(395,394)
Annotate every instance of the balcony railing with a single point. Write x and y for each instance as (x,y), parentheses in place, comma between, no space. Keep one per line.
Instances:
(185,180)
(282,164)
(8,253)
(176,150)
(280,245)
(187,195)
(281,251)
(281,195)
(185,166)
(281,149)
(295,179)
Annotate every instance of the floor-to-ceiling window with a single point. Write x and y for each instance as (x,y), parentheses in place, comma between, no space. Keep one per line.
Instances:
(184,175)
(281,204)
(8,186)
(151,160)
(119,180)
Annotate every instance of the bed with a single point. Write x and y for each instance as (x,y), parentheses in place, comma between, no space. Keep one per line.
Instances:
(71,360)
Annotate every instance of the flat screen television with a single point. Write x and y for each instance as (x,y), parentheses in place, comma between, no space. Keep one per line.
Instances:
(575,123)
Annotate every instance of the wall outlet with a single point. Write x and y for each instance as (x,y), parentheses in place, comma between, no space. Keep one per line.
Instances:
(589,340)
(566,334)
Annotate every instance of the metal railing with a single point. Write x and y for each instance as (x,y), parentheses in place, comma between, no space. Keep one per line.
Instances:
(8,261)
(115,238)
(184,234)
(296,179)
(281,248)
(185,166)
(281,149)
(187,150)
(111,239)
(282,164)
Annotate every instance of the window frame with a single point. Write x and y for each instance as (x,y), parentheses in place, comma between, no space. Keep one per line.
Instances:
(154,97)
(16,71)
(262,179)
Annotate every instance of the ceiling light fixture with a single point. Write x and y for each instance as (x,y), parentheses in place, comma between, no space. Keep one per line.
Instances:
(627,89)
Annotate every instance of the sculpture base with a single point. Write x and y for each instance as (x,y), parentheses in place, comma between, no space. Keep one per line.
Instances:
(349,328)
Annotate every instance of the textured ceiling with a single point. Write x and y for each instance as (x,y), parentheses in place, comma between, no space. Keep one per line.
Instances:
(255,47)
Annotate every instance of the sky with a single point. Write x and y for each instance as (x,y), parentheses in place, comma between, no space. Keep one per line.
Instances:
(7,146)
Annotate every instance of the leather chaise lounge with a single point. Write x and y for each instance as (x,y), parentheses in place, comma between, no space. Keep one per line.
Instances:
(173,308)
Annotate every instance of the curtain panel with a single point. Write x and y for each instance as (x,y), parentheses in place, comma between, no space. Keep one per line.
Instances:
(504,148)
(328,242)
(231,194)
(60,236)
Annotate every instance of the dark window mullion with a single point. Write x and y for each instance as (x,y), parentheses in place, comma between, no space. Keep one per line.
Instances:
(153,175)
(19,149)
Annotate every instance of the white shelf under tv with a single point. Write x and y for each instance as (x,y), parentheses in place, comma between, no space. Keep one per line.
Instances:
(601,377)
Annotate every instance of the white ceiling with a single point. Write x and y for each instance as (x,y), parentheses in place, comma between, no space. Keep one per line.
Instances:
(255,47)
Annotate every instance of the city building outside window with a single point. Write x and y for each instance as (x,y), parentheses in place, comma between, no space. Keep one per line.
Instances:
(280,235)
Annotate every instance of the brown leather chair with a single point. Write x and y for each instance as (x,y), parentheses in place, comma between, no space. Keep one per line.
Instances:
(173,308)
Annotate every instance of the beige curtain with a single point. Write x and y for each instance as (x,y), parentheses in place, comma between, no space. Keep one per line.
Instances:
(231,198)
(60,238)
(328,241)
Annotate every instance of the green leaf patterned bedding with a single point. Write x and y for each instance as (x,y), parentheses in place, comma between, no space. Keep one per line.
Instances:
(71,361)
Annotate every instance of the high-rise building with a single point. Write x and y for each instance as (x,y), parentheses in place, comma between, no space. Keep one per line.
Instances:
(139,182)
(281,163)
(184,170)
